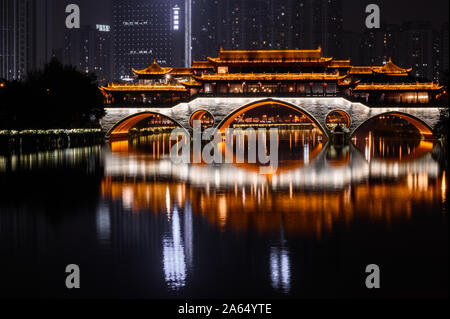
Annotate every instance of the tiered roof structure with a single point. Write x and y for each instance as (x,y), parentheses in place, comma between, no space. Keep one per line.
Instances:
(298,72)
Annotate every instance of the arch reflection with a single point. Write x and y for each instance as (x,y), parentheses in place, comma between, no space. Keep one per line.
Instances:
(306,200)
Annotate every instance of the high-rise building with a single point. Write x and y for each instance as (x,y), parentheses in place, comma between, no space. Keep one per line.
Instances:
(417,48)
(444,51)
(267,24)
(437,56)
(187,58)
(377,46)
(16,38)
(28,35)
(148,30)
(205,40)
(351,47)
(89,49)
(324,25)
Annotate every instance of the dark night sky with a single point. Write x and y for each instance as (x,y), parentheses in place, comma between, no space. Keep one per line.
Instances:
(395,11)
(392,11)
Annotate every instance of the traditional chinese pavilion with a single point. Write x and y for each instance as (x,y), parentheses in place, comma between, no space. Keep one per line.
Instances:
(273,73)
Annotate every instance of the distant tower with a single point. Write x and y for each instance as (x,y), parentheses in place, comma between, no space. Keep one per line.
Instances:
(188,33)
(16,38)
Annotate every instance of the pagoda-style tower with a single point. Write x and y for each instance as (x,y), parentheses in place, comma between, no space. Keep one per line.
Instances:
(303,73)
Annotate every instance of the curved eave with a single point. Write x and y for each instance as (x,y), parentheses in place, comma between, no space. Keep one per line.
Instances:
(365,88)
(340,64)
(220,62)
(191,84)
(144,89)
(181,74)
(405,73)
(143,72)
(267,77)
(361,73)
(200,65)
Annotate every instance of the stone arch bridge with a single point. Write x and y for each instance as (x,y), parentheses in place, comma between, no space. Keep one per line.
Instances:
(118,121)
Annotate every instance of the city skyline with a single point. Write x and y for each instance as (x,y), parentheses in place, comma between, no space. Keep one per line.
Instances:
(261,152)
(237,24)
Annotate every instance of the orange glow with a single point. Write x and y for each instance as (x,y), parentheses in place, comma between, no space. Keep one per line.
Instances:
(228,57)
(122,129)
(153,69)
(144,87)
(225,124)
(119,146)
(299,213)
(423,128)
(338,117)
(397,87)
(444,188)
(198,116)
(377,149)
(270,77)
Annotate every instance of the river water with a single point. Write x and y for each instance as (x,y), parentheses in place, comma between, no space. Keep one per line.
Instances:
(140,226)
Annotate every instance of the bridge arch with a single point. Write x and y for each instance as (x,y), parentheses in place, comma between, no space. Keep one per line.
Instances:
(122,128)
(226,122)
(198,114)
(345,117)
(423,127)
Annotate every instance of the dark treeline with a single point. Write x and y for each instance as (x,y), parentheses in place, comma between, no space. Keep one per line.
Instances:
(56,97)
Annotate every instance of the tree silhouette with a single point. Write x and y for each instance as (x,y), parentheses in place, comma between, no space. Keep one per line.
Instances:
(56,97)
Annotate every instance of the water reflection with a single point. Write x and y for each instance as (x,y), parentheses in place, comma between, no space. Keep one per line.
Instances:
(280,269)
(190,224)
(398,150)
(103,220)
(336,185)
(280,266)
(60,158)
(174,262)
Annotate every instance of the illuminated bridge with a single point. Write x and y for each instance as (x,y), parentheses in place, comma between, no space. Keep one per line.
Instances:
(224,90)
(118,121)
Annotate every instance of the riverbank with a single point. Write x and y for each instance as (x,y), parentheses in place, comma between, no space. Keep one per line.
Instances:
(12,141)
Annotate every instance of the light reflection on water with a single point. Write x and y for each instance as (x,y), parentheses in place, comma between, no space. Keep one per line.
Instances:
(173,255)
(148,205)
(280,269)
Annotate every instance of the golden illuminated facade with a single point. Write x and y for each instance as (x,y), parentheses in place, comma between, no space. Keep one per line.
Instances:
(303,73)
